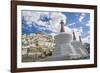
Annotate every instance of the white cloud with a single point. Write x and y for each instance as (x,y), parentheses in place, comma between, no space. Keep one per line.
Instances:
(88,24)
(86,39)
(88,32)
(81,17)
(71,24)
(67,29)
(79,30)
(56,17)
(75,29)
(31,16)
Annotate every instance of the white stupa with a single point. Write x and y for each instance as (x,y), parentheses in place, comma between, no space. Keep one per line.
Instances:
(67,47)
(63,46)
(78,46)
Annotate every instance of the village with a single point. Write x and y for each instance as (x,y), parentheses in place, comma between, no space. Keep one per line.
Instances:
(36,46)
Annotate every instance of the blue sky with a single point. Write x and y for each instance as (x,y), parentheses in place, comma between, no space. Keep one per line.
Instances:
(78,23)
(49,22)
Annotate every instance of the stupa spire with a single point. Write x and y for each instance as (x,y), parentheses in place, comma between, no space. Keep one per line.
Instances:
(74,37)
(62,26)
(80,39)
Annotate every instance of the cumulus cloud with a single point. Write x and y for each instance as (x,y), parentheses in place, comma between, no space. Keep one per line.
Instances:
(40,18)
(86,39)
(81,17)
(33,16)
(71,24)
(51,21)
(79,30)
(88,32)
(67,29)
(56,19)
(88,24)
